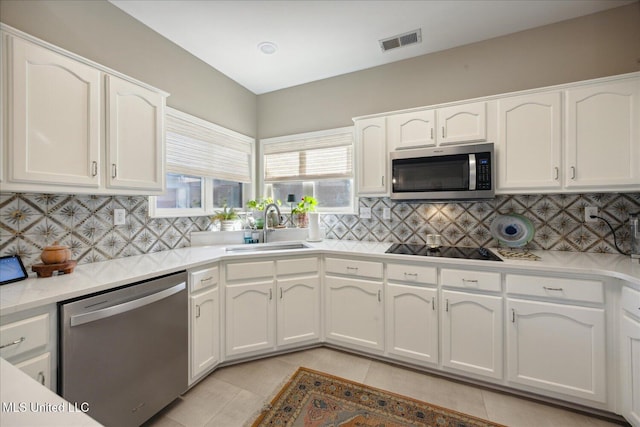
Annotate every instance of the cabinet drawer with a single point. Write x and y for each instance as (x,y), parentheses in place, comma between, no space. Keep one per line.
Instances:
(249,270)
(558,288)
(297,266)
(20,337)
(631,301)
(412,273)
(354,267)
(201,279)
(470,279)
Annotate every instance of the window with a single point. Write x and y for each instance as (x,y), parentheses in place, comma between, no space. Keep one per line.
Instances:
(207,166)
(319,164)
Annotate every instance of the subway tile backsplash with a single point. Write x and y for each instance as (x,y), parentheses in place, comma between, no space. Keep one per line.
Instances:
(29,222)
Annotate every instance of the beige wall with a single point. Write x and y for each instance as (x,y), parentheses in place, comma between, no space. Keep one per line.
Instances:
(99,31)
(597,45)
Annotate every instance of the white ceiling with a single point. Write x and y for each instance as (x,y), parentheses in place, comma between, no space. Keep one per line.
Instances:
(321,39)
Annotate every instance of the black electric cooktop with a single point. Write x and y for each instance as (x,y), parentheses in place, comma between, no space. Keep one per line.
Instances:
(443,252)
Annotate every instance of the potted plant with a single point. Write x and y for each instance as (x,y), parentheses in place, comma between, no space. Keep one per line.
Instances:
(301,210)
(259,205)
(228,218)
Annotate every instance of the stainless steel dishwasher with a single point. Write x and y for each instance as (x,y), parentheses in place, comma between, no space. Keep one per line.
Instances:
(123,353)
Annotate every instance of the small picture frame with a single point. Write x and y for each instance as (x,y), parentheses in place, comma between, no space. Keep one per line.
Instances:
(11,269)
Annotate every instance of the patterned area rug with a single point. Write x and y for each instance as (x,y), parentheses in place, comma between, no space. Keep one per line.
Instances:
(316,399)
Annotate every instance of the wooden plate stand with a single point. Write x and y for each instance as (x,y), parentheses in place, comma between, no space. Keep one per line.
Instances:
(46,270)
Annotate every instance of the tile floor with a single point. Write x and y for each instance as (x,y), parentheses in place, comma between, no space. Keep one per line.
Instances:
(231,396)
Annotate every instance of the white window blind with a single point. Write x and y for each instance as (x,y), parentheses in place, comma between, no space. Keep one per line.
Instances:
(318,155)
(197,147)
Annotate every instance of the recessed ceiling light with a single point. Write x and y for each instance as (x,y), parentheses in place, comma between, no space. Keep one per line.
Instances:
(267,48)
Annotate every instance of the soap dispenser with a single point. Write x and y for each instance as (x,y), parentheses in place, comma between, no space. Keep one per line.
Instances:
(634,222)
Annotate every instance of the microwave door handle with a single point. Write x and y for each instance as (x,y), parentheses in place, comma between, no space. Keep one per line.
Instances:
(472,172)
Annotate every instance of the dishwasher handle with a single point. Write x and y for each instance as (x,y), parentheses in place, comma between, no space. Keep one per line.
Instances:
(81,319)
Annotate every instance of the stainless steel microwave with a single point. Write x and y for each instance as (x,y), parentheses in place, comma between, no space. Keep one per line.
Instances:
(463,172)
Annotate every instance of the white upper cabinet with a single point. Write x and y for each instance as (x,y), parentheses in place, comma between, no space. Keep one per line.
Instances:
(135,136)
(529,142)
(603,136)
(371,146)
(462,123)
(55,118)
(73,126)
(411,130)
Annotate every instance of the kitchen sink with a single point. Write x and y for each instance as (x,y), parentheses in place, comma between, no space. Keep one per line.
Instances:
(265,247)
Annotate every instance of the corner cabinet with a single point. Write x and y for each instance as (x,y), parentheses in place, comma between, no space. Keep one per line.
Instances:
(603,136)
(73,126)
(371,155)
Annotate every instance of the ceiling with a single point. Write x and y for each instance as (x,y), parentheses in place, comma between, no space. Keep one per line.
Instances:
(320,39)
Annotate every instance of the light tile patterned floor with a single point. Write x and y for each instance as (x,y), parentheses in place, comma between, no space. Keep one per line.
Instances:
(231,396)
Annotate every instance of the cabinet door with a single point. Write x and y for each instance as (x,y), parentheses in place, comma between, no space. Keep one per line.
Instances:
(298,310)
(411,130)
(354,312)
(38,368)
(630,369)
(472,333)
(529,141)
(250,315)
(462,123)
(411,322)
(135,136)
(55,121)
(603,137)
(371,140)
(557,347)
(205,330)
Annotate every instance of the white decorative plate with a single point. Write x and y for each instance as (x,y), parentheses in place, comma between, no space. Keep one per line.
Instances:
(512,230)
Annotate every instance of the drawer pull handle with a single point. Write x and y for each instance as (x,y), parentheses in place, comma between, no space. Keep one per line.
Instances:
(280,293)
(469,280)
(352,268)
(206,279)
(379,296)
(557,175)
(433,303)
(114,170)
(411,274)
(41,377)
(546,288)
(94,168)
(197,311)
(270,294)
(16,342)
(513,316)
(446,307)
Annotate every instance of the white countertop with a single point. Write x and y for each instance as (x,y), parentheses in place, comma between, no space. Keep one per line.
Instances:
(100,276)
(25,402)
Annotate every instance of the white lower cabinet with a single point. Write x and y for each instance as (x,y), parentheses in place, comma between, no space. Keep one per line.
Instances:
(298,310)
(250,317)
(38,368)
(472,333)
(630,356)
(271,304)
(411,322)
(204,322)
(354,312)
(556,347)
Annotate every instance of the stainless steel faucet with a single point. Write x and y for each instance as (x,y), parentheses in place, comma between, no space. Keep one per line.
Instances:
(265,227)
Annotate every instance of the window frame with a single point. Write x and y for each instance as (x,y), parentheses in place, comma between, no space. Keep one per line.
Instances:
(208,207)
(308,185)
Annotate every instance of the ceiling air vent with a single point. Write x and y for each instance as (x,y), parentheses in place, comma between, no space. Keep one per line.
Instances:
(400,40)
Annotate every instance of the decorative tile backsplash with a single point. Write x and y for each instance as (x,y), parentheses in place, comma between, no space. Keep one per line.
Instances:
(29,222)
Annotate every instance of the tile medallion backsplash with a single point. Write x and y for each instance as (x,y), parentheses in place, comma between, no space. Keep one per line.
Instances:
(29,222)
